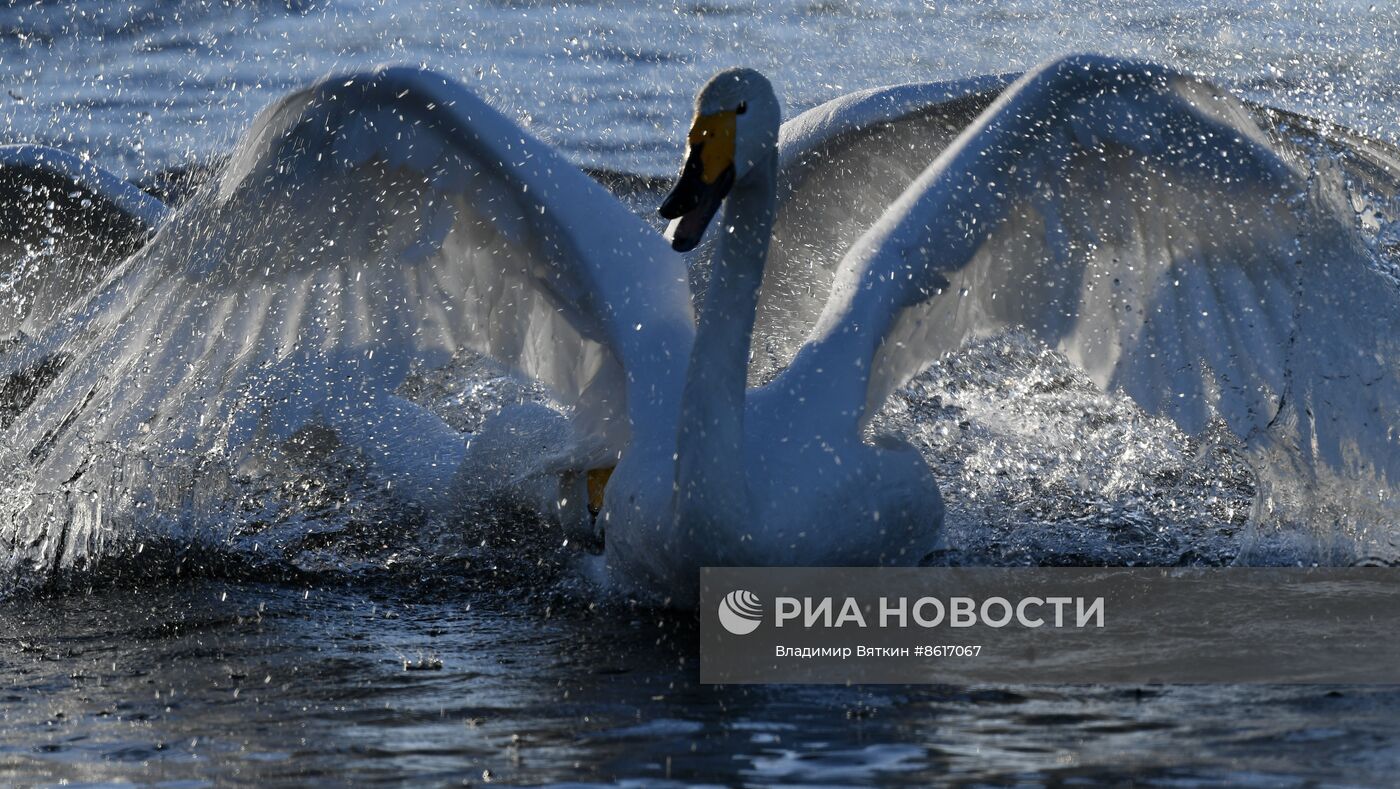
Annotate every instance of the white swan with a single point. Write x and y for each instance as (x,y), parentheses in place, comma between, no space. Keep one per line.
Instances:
(1133,217)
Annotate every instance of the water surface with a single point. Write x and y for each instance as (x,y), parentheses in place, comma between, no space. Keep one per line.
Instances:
(208,682)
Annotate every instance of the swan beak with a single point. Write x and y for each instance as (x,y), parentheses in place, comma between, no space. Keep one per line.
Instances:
(705,180)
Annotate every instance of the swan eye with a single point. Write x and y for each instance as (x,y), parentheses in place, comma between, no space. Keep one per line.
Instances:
(742,108)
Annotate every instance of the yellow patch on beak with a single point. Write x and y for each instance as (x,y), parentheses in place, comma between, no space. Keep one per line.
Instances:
(713,136)
(597,484)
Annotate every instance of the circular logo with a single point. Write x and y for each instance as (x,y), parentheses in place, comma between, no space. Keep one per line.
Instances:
(740,612)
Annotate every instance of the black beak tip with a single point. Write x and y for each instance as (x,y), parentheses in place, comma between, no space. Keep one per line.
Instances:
(683,197)
(684,244)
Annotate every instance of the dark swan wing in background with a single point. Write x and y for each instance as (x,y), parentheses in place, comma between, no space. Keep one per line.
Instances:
(1139,221)
(368,225)
(63,222)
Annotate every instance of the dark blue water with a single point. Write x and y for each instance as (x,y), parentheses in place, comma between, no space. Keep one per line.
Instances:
(143,84)
(211,682)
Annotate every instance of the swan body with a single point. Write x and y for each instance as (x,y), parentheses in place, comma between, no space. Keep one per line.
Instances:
(381,223)
(751,487)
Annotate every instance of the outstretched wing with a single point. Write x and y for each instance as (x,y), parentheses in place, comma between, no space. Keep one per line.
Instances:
(841,165)
(364,227)
(63,223)
(1139,221)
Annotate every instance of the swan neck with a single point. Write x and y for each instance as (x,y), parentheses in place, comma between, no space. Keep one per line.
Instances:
(729,308)
(710,471)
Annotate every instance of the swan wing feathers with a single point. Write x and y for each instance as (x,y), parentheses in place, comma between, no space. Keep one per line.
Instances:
(1140,222)
(515,252)
(366,227)
(841,165)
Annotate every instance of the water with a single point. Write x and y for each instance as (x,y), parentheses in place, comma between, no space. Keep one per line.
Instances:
(310,651)
(211,682)
(144,85)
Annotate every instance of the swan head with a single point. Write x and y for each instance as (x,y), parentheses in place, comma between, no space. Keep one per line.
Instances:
(737,118)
